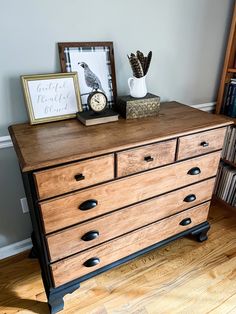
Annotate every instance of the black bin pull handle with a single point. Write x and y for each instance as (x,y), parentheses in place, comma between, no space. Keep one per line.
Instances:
(91,235)
(204,144)
(185,222)
(79,177)
(194,171)
(148,158)
(92,262)
(190,198)
(87,205)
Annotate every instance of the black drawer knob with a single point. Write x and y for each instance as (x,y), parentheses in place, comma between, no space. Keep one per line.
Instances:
(91,235)
(148,158)
(185,222)
(79,177)
(190,198)
(92,262)
(89,204)
(194,171)
(204,144)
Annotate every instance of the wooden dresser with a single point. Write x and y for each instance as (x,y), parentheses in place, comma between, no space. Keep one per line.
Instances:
(102,195)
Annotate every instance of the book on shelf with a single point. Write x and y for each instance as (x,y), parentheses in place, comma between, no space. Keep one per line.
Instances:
(225,187)
(229,99)
(229,148)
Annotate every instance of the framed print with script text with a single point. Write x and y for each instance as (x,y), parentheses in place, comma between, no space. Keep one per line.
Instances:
(51,97)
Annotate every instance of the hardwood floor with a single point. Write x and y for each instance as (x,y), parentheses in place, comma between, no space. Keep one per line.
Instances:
(184,277)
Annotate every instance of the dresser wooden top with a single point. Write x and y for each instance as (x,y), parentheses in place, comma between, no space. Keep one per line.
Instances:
(54,143)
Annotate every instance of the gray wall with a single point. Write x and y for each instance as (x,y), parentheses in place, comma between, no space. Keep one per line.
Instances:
(187,38)
(14,225)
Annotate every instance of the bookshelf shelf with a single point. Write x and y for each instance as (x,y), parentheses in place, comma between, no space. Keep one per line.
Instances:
(228,68)
(232,70)
(225,204)
(229,162)
(226,183)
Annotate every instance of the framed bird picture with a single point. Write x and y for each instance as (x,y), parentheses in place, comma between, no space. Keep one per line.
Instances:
(94,63)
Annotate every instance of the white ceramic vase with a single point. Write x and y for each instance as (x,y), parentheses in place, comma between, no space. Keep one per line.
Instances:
(137,87)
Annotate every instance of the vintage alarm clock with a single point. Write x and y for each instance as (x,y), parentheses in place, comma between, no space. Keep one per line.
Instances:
(98,110)
(97,101)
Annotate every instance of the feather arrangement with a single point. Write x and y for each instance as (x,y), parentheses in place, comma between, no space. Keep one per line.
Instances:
(139,63)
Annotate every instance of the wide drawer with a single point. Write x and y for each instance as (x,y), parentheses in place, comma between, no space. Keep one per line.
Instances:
(75,176)
(74,267)
(146,157)
(200,143)
(65,211)
(96,231)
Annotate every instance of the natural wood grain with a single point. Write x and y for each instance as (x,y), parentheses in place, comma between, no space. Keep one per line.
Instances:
(229,118)
(60,180)
(133,160)
(60,142)
(183,277)
(67,242)
(72,267)
(63,211)
(190,145)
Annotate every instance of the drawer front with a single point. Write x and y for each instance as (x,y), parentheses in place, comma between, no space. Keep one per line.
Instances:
(73,267)
(75,176)
(146,157)
(65,211)
(96,231)
(200,143)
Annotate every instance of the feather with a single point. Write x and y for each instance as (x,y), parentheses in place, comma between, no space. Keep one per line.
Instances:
(136,66)
(148,61)
(141,58)
(139,63)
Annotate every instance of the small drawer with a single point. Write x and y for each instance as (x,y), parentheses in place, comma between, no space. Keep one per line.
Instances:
(146,157)
(97,231)
(89,203)
(104,254)
(75,176)
(200,143)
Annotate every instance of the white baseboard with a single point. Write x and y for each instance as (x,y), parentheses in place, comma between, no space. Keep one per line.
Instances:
(15,248)
(208,107)
(5,141)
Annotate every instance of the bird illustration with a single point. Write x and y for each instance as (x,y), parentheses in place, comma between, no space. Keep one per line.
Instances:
(91,78)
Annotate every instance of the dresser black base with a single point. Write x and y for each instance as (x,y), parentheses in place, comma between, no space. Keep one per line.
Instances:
(55,295)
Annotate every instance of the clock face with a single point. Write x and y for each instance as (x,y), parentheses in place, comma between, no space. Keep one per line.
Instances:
(97,101)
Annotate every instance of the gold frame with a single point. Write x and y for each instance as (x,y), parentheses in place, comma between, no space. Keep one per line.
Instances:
(26,78)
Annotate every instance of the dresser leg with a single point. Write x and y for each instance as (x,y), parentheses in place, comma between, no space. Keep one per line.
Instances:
(201,233)
(55,303)
(55,297)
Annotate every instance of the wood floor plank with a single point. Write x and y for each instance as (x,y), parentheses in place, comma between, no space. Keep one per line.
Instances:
(201,294)
(184,277)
